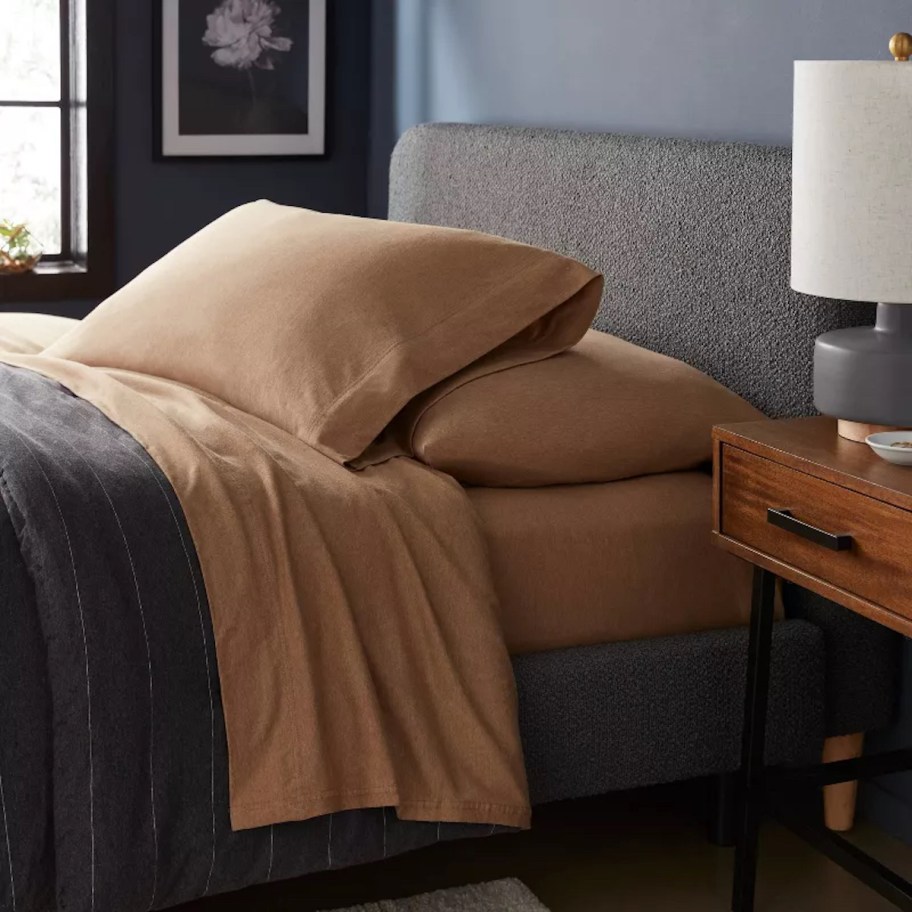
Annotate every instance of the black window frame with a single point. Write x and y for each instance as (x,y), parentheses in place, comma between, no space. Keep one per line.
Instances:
(85,266)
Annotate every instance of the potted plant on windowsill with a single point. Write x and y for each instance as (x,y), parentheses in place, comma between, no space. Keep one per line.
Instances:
(19,250)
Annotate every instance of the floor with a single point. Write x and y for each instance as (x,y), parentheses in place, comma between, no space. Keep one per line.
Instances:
(643,851)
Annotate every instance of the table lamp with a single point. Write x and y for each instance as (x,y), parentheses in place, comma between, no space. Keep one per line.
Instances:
(851,230)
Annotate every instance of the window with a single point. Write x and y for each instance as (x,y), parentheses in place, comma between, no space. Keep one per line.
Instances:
(56,143)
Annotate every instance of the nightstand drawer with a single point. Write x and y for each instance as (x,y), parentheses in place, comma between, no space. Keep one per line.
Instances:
(854,542)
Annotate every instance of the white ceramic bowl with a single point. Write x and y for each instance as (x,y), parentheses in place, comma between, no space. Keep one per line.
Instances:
(882,444)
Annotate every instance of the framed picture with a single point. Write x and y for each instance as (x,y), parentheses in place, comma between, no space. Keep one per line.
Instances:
(241,78)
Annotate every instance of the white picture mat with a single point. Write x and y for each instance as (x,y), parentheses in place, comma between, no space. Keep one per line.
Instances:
(310,143)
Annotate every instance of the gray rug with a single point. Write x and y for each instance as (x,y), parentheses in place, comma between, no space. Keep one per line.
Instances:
(496,896)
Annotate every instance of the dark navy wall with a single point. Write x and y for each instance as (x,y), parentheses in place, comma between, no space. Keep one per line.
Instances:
(160,203)
(383,104)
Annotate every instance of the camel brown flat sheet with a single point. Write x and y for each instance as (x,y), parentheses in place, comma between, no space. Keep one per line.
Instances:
(599,563)
(359,653)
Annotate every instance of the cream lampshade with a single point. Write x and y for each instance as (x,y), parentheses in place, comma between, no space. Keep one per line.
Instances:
(851,231)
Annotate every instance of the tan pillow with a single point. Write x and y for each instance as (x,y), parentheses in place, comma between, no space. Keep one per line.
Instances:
(602,411)
(31,333)
(326,325)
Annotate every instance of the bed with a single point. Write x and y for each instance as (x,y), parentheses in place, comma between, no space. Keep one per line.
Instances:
(656,704)
(693,239)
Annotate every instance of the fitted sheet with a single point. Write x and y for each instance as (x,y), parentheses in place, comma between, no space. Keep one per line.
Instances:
(576,565)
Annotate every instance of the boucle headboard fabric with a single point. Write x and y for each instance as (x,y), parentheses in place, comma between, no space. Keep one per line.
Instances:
(692,237)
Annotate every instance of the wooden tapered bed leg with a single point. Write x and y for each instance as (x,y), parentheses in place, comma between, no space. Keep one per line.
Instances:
(839,800)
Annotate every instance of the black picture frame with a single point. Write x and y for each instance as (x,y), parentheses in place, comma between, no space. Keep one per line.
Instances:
(219,87)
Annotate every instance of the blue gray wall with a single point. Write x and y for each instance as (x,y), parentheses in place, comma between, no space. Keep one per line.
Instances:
(713,69)
(709,69)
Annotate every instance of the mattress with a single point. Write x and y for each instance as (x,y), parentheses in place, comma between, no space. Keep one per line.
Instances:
(577,565)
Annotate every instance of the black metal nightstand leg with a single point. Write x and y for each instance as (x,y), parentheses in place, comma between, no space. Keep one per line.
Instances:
(754,738)
(724,809)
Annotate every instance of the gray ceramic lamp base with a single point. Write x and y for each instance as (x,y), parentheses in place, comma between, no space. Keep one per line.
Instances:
(864,374)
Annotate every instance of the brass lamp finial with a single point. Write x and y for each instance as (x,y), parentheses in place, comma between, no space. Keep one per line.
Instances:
(901,46)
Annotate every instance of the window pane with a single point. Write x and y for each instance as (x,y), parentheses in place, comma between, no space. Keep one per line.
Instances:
(30,50)
(30,171)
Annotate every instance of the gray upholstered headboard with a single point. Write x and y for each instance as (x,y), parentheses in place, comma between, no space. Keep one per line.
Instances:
(693,239)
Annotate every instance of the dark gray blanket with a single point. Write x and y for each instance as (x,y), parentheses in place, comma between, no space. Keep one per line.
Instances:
(113,760)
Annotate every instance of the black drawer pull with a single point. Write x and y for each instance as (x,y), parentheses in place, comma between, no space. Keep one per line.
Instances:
(784,520)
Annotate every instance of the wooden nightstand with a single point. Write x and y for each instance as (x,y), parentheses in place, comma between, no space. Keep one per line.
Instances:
(801,503)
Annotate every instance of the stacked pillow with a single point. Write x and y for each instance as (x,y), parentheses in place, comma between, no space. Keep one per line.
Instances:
(602,411)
